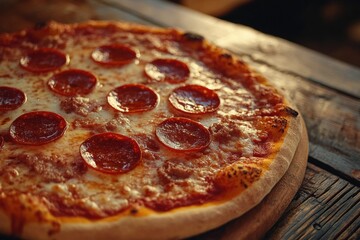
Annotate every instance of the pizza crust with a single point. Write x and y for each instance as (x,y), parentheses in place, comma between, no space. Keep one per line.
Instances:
(178,223)
(255,223)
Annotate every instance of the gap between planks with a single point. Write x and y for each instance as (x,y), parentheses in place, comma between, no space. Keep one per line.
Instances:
(325,207)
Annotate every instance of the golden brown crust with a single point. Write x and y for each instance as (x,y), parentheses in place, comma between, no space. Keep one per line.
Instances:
(256,222)
(177,223)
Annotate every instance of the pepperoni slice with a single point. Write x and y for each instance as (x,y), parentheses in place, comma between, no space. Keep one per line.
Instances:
(72,82)
(194,99)
(11,98)
(170,70)
(37,128)
(111,153)
(132,98)
(183,134)
(113,55)
(43,60)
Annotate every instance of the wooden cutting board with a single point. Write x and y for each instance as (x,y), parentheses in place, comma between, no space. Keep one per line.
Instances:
(255,223)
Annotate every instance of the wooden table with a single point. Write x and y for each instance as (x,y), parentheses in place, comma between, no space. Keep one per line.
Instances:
(327,93)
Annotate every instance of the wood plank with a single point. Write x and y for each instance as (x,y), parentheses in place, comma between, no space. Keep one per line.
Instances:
(18,15)
(103,11)
(326,207)
(286,56)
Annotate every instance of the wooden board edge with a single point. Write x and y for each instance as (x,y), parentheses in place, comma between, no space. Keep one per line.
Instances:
(255,223)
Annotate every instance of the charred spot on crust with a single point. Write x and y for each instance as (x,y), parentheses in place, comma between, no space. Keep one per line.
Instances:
(226,55)
(134,211)
(40,25)
(280,124)
(55,228)
(291,111)
(193,36)
(237,176)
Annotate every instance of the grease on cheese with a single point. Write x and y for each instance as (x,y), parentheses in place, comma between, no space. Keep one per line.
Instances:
(55,171)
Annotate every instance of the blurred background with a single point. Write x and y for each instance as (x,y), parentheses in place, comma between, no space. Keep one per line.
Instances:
(328,26)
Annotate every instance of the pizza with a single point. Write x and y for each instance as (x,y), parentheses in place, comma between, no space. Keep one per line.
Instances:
(120,131)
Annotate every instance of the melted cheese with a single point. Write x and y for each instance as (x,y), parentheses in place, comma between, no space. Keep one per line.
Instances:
(51,169)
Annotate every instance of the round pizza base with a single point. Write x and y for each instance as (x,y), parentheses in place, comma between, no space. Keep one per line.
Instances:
(255,223)
(177,222)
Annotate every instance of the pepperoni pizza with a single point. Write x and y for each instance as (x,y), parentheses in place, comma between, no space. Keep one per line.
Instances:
(122,131)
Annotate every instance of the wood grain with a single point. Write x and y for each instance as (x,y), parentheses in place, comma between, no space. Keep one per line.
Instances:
(18,15)
(326,207)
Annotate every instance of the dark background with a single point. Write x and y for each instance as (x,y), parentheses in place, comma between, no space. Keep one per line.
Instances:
(328,26)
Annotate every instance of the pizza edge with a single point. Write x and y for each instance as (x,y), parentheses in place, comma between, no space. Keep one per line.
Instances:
(175,223)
